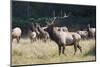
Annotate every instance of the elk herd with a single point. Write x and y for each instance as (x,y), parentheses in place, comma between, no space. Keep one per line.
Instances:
(61,35)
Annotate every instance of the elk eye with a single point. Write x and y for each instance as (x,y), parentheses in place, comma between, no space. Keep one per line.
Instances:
(63,30)
(58,29)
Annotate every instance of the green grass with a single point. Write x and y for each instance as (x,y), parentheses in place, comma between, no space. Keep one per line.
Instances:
(40,52)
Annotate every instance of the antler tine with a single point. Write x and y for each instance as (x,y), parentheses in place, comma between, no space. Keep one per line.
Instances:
(53,20)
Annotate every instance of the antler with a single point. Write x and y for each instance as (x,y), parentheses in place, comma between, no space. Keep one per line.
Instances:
(53,20)
(54,13)
(66,15)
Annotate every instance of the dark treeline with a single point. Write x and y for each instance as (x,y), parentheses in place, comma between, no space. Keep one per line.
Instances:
(79,16)
(37,10)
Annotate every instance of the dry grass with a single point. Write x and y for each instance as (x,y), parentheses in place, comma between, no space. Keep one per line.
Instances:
(41,53)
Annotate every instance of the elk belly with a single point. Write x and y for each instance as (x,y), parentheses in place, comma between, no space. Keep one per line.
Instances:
(69,40)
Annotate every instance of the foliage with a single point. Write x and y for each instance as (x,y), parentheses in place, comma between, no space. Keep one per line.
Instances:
(42,13)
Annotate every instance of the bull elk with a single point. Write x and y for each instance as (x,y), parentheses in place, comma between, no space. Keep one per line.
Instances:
(63,38)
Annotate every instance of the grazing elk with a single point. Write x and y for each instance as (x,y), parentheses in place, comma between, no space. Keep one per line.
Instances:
(91,32)
(16,34)
(83,34)
(63,38)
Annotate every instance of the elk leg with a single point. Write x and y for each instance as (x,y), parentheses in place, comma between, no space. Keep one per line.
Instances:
(30,39)
(59,50)
(33,40)
(63,51)
(44,40)
(75,48)
(17,39)
(78,46)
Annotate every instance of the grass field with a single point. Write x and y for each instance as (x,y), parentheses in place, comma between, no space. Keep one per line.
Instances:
(40,52)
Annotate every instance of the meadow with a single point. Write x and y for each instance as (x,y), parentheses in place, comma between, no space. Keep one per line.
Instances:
(40,52)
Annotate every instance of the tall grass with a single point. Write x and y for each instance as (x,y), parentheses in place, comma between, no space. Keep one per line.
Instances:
(40,52)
